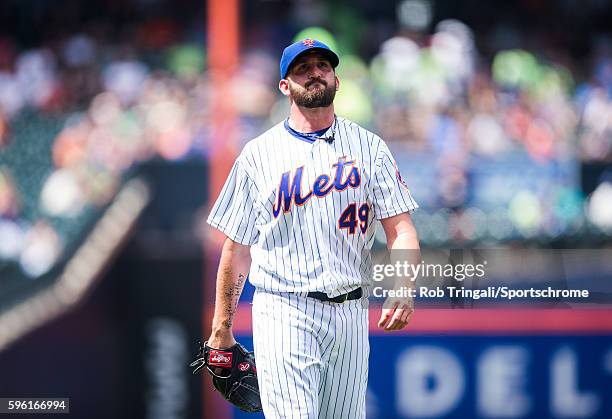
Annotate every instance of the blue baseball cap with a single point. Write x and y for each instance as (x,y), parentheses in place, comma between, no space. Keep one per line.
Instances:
(298,48)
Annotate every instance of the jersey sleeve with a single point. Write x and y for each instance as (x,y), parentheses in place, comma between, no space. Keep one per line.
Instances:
(391,195)
(234,212)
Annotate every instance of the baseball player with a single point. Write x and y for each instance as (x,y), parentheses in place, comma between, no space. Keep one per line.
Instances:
(302,203)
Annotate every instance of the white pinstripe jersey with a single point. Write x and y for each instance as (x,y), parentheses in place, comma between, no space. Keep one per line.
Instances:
(309,208)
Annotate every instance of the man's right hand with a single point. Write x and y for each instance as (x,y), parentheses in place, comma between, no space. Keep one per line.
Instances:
(221,339)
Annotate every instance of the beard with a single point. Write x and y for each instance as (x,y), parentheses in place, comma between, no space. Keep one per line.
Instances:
(313,95)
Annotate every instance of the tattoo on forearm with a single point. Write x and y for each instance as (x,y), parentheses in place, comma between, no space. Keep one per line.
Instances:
(232,294)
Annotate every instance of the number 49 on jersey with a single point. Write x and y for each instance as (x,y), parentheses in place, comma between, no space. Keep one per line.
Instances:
(352,215)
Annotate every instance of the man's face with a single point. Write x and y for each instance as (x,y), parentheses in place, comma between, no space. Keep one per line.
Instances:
(312,81)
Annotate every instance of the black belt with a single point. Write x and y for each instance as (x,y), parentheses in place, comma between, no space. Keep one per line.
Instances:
(353,295)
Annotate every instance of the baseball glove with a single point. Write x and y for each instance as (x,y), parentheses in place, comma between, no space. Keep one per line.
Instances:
(233,374)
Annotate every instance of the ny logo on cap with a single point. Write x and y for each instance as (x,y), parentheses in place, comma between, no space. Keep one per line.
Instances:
(308,42)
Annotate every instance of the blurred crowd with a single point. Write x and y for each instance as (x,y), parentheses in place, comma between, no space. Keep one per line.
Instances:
(441,105)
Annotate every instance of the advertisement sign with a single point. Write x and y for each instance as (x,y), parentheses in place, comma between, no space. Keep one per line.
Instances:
(488,363)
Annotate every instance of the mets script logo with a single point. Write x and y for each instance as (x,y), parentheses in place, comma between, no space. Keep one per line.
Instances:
(291,191)
(308,42)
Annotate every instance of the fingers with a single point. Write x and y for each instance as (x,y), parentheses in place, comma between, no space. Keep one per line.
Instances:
(387,314)
(396,317)
(400,319)
(385,317)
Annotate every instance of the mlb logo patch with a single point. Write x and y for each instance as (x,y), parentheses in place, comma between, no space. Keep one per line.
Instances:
(398,175)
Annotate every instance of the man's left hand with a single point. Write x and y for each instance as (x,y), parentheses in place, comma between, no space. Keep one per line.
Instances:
(397,314)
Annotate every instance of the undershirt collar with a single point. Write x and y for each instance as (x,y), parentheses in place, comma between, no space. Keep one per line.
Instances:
(309,137)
